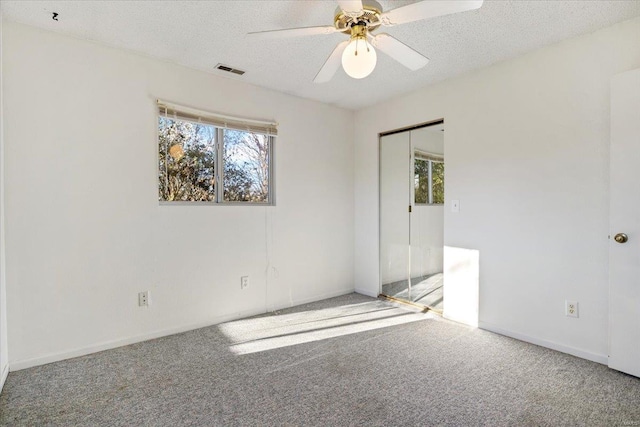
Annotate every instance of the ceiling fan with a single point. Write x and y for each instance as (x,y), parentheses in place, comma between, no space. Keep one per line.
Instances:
(360,19)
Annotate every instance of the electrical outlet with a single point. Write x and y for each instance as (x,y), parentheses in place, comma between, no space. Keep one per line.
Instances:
(143,299)
(244,282)
(571,308)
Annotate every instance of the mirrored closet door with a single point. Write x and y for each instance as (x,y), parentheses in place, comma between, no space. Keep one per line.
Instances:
(412,215)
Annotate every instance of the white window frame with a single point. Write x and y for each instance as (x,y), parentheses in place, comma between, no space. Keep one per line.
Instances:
(271,200)
(222,123)
(430,158)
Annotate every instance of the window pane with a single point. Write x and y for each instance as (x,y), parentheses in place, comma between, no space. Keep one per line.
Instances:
(246,167)
(437,176)
(187,157)
(421,174)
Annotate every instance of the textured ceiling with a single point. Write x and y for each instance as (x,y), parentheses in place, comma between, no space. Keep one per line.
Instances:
(201,34)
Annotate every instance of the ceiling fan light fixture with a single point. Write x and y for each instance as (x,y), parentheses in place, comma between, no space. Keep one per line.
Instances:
(359,57)
(362,17)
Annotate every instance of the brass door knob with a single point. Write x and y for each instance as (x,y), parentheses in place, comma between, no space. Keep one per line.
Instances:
(621,238)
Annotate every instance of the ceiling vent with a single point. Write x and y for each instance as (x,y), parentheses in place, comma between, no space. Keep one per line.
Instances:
(229,69)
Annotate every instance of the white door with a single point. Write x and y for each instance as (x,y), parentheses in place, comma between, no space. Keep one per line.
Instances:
(624,256)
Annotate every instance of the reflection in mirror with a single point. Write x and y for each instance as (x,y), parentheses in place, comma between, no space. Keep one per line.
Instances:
(395,199)
(412,215)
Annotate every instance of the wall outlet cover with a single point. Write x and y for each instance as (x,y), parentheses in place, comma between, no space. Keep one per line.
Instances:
(571,308)
(143,299)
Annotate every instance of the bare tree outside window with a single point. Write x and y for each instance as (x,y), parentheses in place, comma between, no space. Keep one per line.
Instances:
(429,181)
(437,182)
(188,161)
(421,169)
(187,158)
(246,167)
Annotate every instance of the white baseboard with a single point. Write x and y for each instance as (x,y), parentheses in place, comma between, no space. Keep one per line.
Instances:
(328,295)
(599,358)
(463,321)
(3,376)
(107,345)
(366,292)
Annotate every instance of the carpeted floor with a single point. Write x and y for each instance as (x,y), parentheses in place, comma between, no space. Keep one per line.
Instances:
(346,361)
(425,290)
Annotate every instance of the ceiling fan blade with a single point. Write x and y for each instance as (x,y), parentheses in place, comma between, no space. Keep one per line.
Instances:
(351,8)
(293,32)
(332,64)
(399,51)
(427,9)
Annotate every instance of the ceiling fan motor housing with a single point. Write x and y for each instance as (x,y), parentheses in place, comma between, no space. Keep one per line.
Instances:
(369,18)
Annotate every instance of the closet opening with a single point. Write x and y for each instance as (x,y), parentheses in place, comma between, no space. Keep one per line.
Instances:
(412,196)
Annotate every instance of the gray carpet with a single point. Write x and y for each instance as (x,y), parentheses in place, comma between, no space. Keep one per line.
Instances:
(425,290)
(348,361)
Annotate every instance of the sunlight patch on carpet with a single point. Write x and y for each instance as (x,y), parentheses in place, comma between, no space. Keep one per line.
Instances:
(276,330)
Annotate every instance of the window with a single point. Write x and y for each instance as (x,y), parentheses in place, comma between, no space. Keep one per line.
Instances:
(246,158)
(429,179)
(201,161)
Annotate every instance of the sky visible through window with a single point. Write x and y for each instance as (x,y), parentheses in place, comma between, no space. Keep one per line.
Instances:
(188,162)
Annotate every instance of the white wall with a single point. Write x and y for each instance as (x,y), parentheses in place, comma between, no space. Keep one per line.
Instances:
(85,231)
(4,354)
(527,145)
(429,139)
